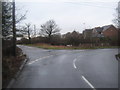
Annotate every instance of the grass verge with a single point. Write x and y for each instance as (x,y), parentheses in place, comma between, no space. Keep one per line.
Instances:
(10,66)
(47,46)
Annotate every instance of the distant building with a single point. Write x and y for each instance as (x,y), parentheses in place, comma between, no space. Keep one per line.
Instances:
(105,31)
(87,33)
(110,31)
(97,32)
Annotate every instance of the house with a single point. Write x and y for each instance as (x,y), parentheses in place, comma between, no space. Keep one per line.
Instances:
(87,33)
(105,31)
(110,31)
(97,32)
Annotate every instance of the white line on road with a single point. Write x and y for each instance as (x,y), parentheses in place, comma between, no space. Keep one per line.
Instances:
(74,63)
(46,57)
(88,83)
(39,59)
(30,47)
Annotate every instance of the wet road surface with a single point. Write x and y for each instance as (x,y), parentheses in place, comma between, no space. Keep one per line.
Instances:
(96,68)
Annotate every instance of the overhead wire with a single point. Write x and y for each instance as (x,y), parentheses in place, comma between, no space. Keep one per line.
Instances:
(90,4)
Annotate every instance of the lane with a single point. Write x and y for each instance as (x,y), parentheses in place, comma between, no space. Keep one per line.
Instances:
(53,72)
(69,69)
(100,67)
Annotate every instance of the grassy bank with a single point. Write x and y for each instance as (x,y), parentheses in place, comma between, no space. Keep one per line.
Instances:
(47,46)
(10,66)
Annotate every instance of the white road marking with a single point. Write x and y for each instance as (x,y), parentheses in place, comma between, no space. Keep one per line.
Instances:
(39,59)
(74,63)
(88,83)
(42,58)
(50,56)
(83,76)
(30,47)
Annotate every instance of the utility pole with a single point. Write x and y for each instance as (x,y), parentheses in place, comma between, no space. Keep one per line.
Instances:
(34,31)
(14,29)
(84,29)
(84,26)
(28,31)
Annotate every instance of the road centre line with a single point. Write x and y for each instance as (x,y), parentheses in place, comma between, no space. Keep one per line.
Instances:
(88,83)
(50,56)
(74,63)
(42,58)
(39,59)
(83,76)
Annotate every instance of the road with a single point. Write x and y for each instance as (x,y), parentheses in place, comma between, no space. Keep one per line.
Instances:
(93,69)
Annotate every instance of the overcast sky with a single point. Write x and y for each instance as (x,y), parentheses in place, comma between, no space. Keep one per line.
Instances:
(69,14)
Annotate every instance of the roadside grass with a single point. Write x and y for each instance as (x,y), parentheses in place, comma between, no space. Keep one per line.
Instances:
(10,66)
(47,46)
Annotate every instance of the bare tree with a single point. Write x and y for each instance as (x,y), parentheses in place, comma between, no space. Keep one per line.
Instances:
(6,19)
(7,23)
(74,38)
(49,28)
(116,20)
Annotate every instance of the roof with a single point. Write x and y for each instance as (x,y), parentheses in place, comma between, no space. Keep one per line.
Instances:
(98,29)
(88,29)
(106,27)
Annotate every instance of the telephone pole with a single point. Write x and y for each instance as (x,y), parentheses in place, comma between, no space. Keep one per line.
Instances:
(34,31)
(14,29)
